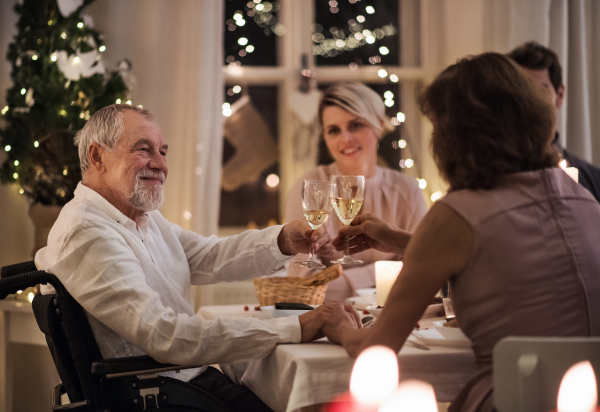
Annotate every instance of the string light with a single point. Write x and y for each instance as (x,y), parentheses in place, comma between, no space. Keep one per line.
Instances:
(436,196)
(128,102)
(187,215)
(401,143)
(422,183)
(30,296)
(272,180)
(4,110)
(388,94)
(401,117)
(370,39)
(64,172)
(226,109)
(384,50)
(250,48)
(36,144)
(23,91)
(360,19)
(16,163)
(102,48)
(21,191)
(389,102)
(7,148)
(118,101)
(63,112)
(15,175)
(76,60)
(63,35)
(80,25)
(53,57)
(370,9)
(34,57)
(394,78)
(242,41)
(382,73)
(237,89)
(50,22)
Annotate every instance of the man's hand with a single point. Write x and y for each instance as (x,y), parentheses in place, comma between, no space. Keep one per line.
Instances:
(295,238)
(313,321)
(341,319)
(368,232)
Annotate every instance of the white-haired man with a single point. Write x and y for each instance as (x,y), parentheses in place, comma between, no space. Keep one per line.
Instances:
(131,269)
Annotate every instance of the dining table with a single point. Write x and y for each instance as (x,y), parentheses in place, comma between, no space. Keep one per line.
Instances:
(304,376)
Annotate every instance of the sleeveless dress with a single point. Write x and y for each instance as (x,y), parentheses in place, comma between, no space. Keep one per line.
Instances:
(534,271)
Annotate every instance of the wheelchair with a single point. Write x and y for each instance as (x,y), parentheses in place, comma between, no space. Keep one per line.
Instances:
(94,384)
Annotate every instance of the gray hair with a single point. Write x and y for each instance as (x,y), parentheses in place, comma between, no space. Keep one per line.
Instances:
(105,128)
(359,100)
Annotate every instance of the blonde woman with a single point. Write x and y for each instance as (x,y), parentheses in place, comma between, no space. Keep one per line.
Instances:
(353,121)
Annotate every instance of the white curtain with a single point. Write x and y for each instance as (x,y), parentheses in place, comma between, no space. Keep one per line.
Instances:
(572,29)
(175,48)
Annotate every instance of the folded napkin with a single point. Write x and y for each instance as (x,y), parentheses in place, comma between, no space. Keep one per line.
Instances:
(432,337)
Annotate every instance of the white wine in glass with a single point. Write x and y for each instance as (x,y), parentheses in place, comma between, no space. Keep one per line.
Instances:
(347,195)
(316,205)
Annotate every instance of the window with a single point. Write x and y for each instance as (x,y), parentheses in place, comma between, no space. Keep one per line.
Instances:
(335,40)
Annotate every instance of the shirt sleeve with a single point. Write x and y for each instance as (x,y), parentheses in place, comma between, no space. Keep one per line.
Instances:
(251,254)
(103,274)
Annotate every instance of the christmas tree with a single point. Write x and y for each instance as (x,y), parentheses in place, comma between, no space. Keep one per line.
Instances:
(59,80)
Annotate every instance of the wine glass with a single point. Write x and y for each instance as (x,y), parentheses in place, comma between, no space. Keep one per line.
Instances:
(347,195)
(316,205)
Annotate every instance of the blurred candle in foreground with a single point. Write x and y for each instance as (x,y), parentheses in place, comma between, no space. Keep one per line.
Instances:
(411,396)
(386,272)
(374,379)
(578,391)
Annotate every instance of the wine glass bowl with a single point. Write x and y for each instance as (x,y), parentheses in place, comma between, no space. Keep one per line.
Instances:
(347,196)
(315,204)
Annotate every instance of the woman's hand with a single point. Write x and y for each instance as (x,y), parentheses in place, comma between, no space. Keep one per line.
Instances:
(369,232)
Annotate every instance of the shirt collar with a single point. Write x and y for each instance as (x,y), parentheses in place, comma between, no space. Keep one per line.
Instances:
(95,199)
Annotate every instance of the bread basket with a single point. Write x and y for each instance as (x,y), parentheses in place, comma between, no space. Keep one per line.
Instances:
(311,290)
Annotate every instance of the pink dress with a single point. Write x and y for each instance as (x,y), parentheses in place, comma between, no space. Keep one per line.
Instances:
(389,195)
(535,268)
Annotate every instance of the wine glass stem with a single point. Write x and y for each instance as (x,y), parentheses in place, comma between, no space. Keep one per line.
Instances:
(310,251)
(347,245)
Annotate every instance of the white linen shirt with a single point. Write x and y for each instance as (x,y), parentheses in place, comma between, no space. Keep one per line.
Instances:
(134,282)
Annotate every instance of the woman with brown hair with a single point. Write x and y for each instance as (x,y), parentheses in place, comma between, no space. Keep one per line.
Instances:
(515,235)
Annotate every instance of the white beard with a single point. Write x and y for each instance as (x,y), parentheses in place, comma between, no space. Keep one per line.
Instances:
(145,198)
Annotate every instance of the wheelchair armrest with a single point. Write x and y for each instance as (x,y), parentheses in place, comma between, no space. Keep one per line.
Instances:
(135,365)
(57,392)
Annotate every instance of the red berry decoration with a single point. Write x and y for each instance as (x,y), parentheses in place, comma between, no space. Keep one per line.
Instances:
(246,308)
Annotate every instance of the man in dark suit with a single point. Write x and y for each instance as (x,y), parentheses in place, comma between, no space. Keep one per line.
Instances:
(542,63)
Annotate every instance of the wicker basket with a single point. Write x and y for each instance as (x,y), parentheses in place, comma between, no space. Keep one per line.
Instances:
(270,291)
(310,291)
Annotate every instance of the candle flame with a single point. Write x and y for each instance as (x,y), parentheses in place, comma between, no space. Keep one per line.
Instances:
(578,391)
(374,375)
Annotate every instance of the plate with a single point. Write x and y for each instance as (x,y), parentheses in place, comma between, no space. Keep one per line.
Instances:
(449,333)
(366,291)
(361,302)
(271,312)
(373,310)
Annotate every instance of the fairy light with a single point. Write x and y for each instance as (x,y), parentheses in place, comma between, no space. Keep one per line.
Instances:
(16,163)
(76,60)
(422,183)
(50,22)
(4,110)
(128,102)
(259,7)
(63,112)
(226,107)
(370,9)
(102,48)
(7,148)
(65,171)
(34,57)
(238,16)
(389,102)
(436,196)
(237,89)
(15,175)
(82,115)
(401,143)
(382,73)
(63,35)
(370,39)
(388,94)
(360,19)
(384,50)
(242,41)
(187,215)
(409,163)
(240,22)
(23,91)
(53,57)
(80,25)
(30,296)
(394,78)
(272,180)
(250,48)
(21,191)
(36,144)
(401,117)
(118,101)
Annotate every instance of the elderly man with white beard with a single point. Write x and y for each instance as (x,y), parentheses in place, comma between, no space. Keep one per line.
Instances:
(132,270)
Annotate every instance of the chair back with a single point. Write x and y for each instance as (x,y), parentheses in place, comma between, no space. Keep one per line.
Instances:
(65,326)
(528,370)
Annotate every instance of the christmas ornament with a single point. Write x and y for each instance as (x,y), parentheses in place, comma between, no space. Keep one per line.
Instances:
(67,7)
(79,64)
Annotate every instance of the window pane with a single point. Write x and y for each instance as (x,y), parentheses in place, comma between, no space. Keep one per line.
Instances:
(251,31)
(356,32)
(254,201)
(390,150)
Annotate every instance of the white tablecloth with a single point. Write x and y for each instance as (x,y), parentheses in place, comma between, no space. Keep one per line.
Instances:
(294,376)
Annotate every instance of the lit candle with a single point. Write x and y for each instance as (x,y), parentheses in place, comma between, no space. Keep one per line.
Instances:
(386,272)
(578,391)
(411,396)
(374,379)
